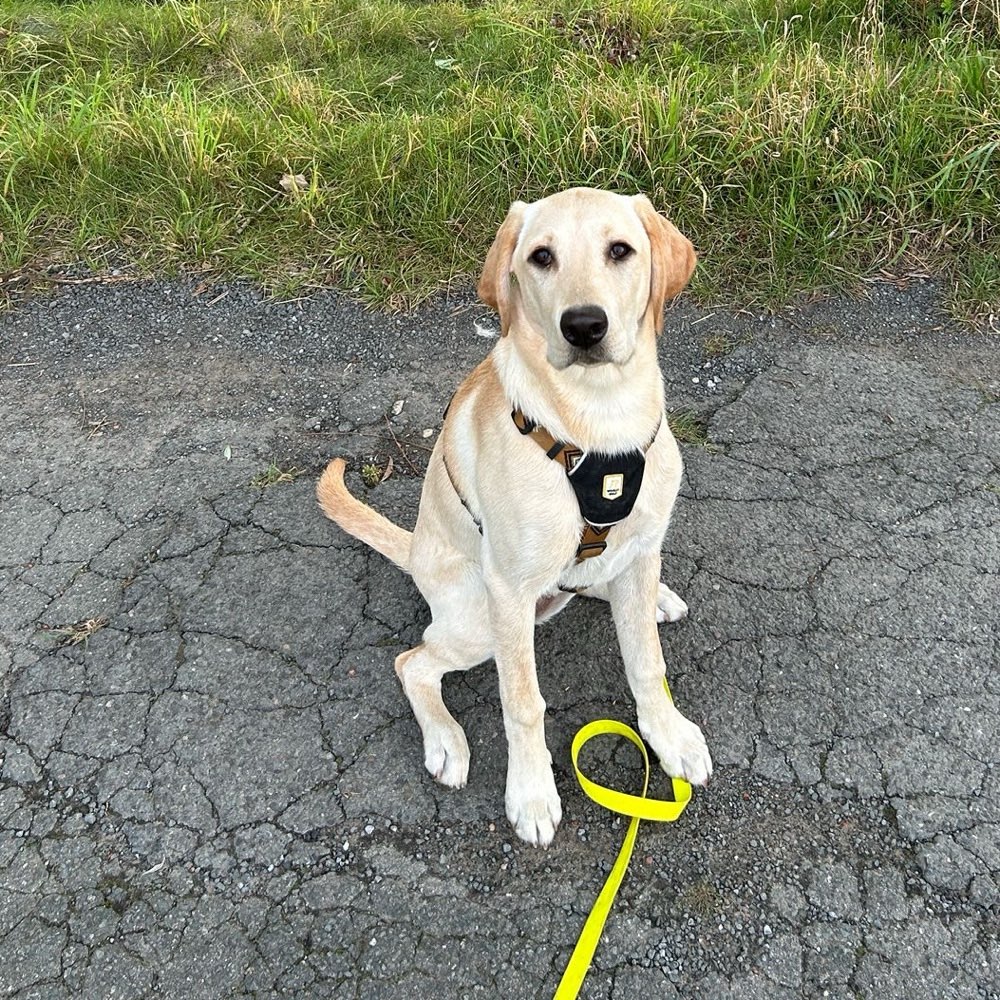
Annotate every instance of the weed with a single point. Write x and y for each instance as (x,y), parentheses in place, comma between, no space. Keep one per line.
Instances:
(273,475)
(688,427)
(77,632)
(371,473)
(718,345)
(700,898)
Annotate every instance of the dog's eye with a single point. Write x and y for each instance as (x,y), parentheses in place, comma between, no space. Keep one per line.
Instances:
(542,257)
(619,251)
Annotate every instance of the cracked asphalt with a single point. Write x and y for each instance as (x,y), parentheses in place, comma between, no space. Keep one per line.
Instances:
(220,791)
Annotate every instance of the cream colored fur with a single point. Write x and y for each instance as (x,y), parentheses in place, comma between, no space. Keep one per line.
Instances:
(487,590)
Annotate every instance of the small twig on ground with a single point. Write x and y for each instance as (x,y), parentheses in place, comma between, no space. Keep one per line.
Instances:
(406,458)
(100,279)
(417,444)
(92,427)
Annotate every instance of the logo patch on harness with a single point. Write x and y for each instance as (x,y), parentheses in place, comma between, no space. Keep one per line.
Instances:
(613,486)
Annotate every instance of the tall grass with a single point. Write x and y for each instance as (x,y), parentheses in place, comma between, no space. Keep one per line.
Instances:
(801,143)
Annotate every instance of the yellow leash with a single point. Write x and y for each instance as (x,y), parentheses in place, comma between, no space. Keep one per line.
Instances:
(637,807)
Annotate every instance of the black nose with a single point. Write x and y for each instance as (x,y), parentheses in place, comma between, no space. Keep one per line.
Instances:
(584,326)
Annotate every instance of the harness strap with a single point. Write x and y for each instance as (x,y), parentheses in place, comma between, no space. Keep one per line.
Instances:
(593,537)
(458,493)
(593,541)
(567,455)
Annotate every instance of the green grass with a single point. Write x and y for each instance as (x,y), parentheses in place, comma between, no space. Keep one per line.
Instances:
(689,427)
(800,143)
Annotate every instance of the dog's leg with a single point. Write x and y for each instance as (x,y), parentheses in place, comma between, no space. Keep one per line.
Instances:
(669,606)
(446,750)
(532,802)
(678,742)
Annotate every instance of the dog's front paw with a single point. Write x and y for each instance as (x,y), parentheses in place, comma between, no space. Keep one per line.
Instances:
(446,754)
(681,747)
(533,807)
(669,607)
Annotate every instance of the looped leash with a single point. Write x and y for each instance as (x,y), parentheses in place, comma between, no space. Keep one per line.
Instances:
(635,806)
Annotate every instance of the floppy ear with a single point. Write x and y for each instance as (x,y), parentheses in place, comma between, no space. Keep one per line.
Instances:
(495,284)
(672,259)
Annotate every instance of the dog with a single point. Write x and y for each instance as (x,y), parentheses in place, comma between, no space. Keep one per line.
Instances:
(557,432)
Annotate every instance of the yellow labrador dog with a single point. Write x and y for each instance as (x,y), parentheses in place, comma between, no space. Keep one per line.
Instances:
(554,474)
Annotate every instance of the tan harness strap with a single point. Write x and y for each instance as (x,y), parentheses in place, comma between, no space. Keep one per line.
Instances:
(593,541)
(565,454)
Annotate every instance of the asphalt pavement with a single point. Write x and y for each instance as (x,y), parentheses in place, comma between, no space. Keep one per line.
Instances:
(212,785)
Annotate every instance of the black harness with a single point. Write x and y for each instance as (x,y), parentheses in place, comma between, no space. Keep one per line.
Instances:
(606,486)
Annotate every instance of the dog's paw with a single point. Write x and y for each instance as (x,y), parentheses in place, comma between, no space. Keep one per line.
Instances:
(669,607)
(681,748)
(446,755)
(534,808)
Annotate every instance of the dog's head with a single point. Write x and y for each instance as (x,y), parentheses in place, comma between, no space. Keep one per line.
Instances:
(587,270)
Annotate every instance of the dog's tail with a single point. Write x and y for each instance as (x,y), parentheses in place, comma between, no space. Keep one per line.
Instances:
(358,519)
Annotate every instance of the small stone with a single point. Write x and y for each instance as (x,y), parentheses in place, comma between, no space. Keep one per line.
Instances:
(20,768)
(427,432)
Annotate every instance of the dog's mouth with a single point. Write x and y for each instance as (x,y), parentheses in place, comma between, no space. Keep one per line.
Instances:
(575,358)
(588,359)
